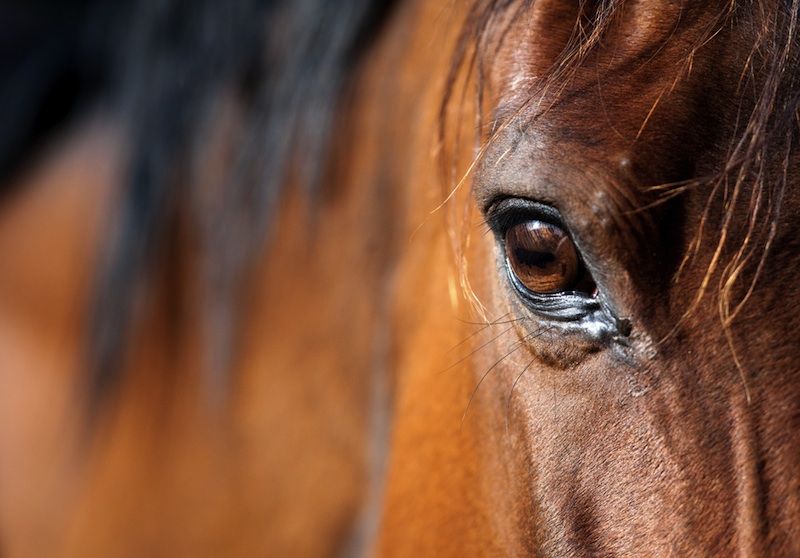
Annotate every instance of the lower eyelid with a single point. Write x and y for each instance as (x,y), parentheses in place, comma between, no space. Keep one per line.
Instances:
(560,306)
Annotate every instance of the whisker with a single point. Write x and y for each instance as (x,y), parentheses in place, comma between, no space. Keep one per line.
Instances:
(490,341)
(517,345)
(484,323)
(514,385)
(481,330)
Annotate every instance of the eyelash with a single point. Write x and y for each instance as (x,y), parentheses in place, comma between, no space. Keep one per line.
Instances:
(504,213)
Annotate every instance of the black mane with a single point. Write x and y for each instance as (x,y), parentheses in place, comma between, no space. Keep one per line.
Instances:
(160,67)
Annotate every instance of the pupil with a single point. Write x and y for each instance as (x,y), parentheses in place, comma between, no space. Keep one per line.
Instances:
(542,260)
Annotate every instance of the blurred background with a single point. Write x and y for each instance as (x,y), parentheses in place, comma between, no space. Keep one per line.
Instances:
(203,203)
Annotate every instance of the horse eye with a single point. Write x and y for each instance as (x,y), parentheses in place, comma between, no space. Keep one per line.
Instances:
(542,257)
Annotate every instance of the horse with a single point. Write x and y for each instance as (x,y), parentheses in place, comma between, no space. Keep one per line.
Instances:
(411,278)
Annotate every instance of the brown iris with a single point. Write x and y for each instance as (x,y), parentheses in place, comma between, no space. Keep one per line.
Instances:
(542,257)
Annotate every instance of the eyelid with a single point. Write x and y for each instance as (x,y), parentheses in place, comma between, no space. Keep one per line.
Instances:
(504,213)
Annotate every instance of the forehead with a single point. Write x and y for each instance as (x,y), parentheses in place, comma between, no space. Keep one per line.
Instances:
(532,44)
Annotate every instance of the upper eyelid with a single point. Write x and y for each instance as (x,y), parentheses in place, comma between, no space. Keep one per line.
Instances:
(502,213)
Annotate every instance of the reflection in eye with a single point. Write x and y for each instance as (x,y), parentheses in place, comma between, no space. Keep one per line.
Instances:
(542,257)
